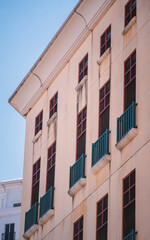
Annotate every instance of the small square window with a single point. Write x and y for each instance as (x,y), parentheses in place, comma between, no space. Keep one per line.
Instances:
(130,11)
(53,105)
(83,68)
(38,122)
(105,40)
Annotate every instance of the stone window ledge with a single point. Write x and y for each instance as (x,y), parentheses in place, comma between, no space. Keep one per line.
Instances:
(51,119)
(105,54)
(36,137)
(130,24)
(101,163)
(127,138)
(81,83)
(77,186)
(31,231)
(46,217)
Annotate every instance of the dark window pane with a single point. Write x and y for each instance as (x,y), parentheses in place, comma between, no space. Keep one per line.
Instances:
(126,184)
(132,178)
(107,100)
(101,106)
(132,193)
(102,93)
(105,217)
(129,219)
(99,207)
(126,198)
(99,221)
(105,202)
(104,121)
(102,233)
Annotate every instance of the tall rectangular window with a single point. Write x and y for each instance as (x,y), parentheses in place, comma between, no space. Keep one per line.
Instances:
(130,80)
(102,218)
(53,105)
(38,122)
(83,67)
(105,40)
(51,166)
(130,11)
(104,103)
(35,182)
(78,229)
(81,132)
(129,203)
(9,232)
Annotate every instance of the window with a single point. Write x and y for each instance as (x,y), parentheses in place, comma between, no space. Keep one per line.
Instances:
(105,40)
(83,68)
(78,229)
(81,132)
(130,80)
(17,205)
(38,122)
(53,104)
(51,166)
(130,11)
(102,218)
(9,232)
(35,182)
(129,203)
(104,103)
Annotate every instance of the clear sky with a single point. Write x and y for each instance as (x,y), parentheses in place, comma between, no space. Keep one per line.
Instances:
(26,27)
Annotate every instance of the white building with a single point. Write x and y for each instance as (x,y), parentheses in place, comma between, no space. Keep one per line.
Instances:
(10,208)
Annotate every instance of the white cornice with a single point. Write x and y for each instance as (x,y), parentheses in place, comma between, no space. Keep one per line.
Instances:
(81,34)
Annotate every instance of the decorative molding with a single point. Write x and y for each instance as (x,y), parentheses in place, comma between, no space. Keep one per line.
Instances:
(81,83)
(77,186)
(51,119)
(101,163)
(127,138)
(36,137)
(130,24)
(105,54)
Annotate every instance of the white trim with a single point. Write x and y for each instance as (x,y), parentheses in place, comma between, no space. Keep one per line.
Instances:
(127,138)
(36,137)
(130,24)
(105,54)
(81,83)
(77,186)
(51,119)
(101,163)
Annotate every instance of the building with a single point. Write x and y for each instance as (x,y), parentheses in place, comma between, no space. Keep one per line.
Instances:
(86,104)
(10,209)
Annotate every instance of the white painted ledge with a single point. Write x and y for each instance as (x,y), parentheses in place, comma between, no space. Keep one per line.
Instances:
(101,163)
(51,119)
(81,83)
(46,217)
(31,231)
(36,137)
(77,186)
(130,24)
(105,54)
(127,138)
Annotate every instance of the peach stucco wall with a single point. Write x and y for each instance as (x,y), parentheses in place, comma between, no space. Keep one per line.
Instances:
(134,156)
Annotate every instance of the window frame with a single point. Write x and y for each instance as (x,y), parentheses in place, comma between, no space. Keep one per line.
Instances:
(37,181)
(51,159)
(79,231)
(100,100)
(106,40)
(84,67)
(97,215)
(131,79)
(54,108)
(37,126)
(82,132)
(130,202)
(126,15)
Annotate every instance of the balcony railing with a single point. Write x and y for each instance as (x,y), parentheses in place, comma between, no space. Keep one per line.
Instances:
(100,147)
(46,202)
(130,236)
(77,171)
(126,122)
(31,217)
(8,236)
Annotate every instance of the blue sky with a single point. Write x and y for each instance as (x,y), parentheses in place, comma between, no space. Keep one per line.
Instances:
(26,27)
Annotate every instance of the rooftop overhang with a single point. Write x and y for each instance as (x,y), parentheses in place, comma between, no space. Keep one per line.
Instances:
(61,48)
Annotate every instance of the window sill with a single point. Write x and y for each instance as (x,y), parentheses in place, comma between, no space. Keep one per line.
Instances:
(127,138)
(81,83)
(105,54)
(31,231)
(36,137)
(51,119)
(46,217)
(101,163)
(130,24)
(77,186)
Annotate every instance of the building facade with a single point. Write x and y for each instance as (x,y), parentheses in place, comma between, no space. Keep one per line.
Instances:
(86,104)
(10,209)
